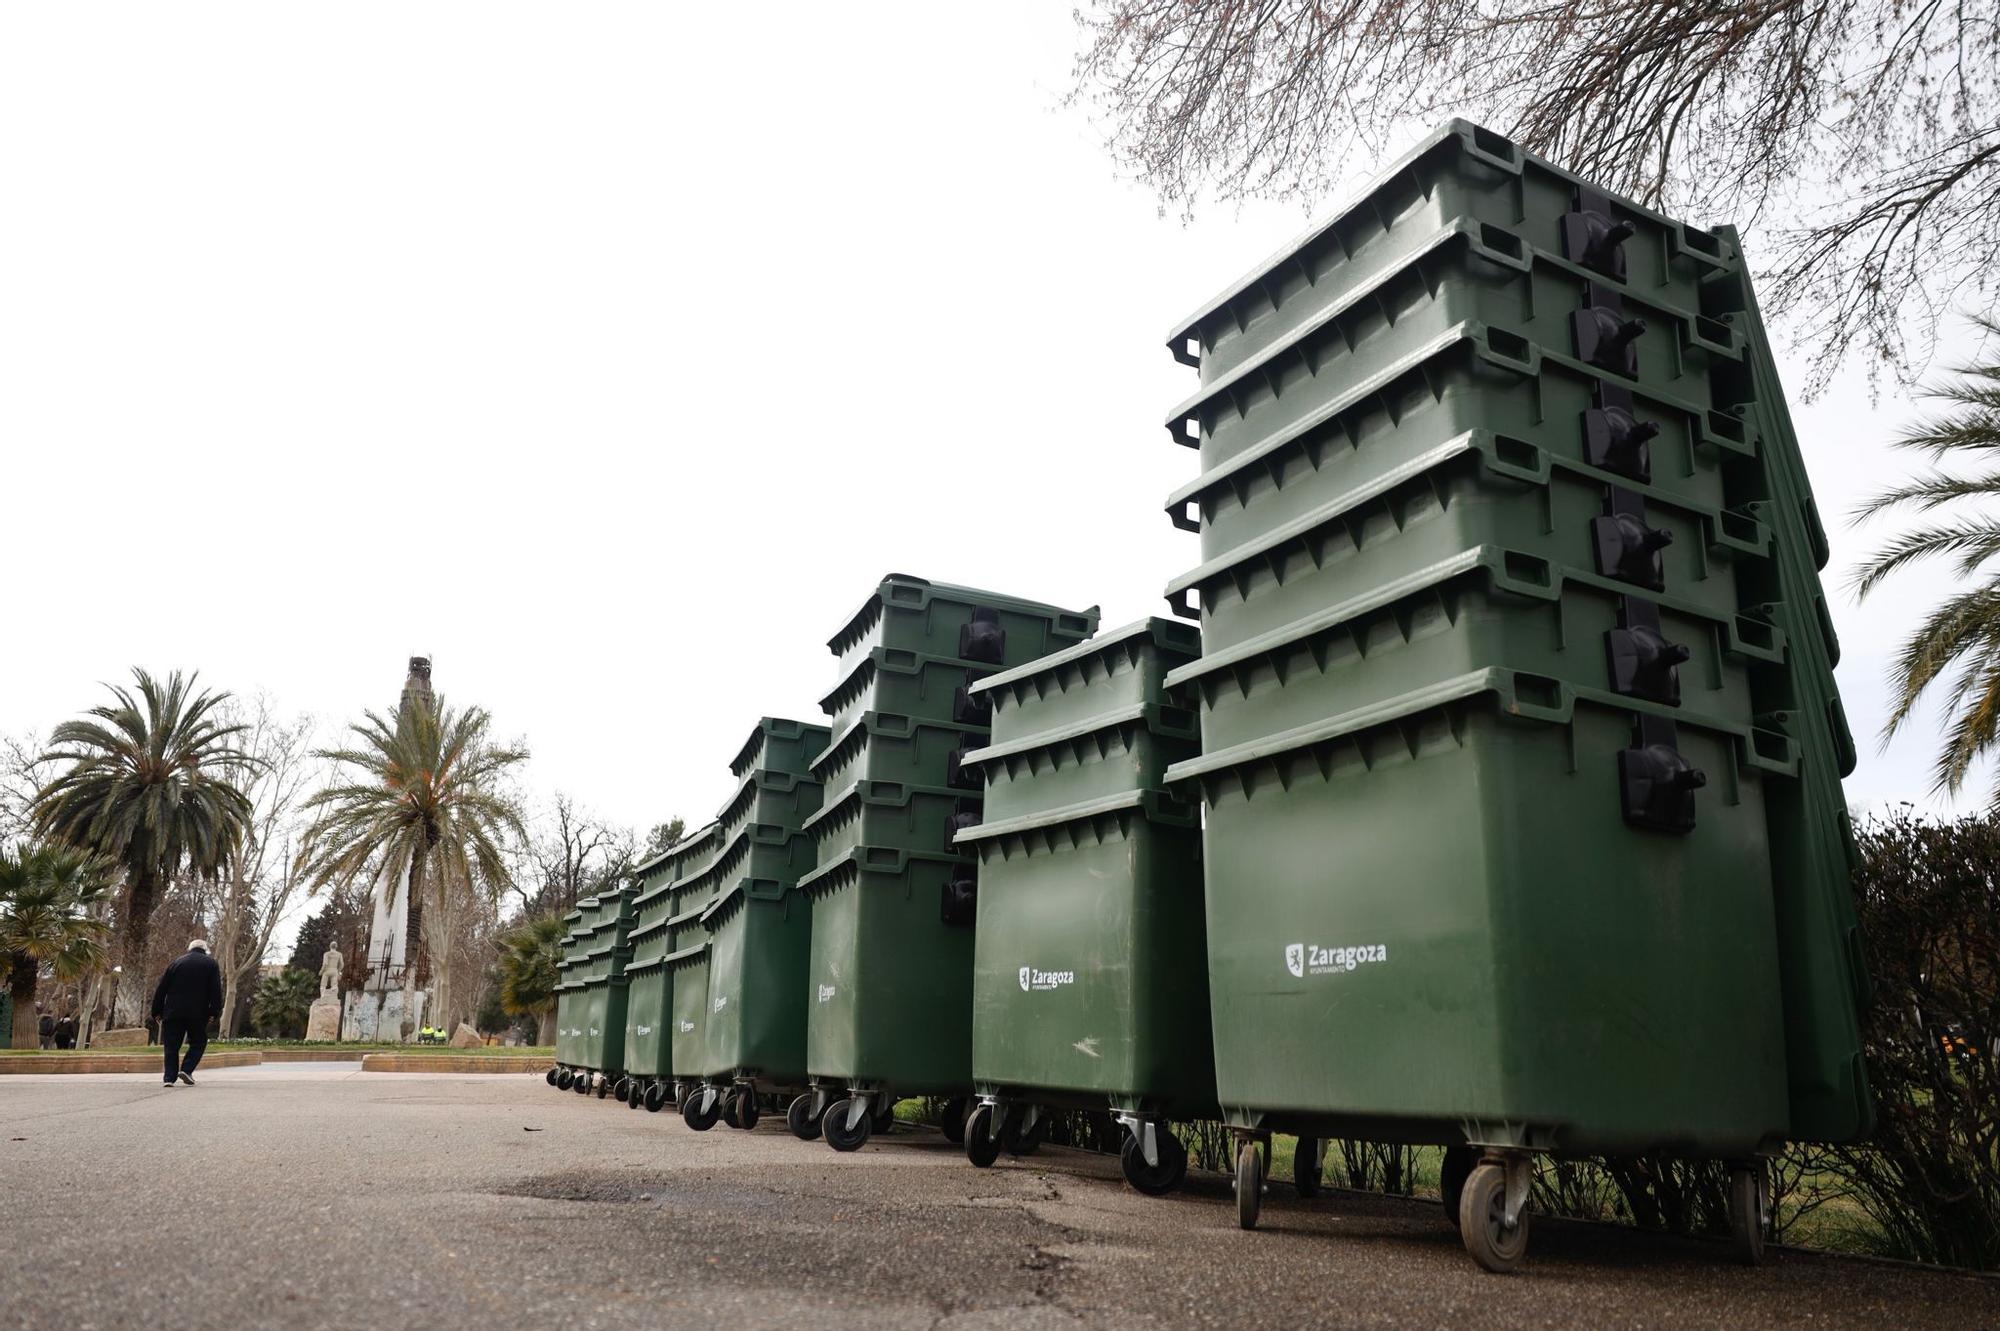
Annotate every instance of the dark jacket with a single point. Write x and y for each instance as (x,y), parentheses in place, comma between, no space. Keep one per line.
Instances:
(191,988)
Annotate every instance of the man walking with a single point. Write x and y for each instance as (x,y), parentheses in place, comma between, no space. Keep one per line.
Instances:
(189,993)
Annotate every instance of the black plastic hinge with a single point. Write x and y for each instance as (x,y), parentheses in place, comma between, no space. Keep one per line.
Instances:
(967,710)
(1593,237)
(1614,439)
(958,901)
(1628,549)
(956,774)
(959,822)
(1604,336)
(1656,784)
(1644,664)
(983,639)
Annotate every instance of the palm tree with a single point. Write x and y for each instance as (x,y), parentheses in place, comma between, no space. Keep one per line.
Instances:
(46,893)
(422,805)
(529,953)
(148,784)
(1960,637)
(282,1002)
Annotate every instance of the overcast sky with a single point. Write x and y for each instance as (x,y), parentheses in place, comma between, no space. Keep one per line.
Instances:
(609,354)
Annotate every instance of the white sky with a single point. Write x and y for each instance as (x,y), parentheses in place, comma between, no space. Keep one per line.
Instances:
(609,354)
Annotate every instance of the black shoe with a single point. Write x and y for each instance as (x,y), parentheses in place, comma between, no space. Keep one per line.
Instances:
(188,1077)
(170,1083)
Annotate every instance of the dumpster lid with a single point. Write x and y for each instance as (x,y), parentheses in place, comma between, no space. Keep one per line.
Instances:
(767,728)
(1166,634)
(889,661)
(1162,718)
(877,859)
(1158,806)
(887,794)
(904,590)
(685,846)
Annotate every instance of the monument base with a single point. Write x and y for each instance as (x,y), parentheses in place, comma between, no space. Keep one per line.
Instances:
(121,1037)
(323,1020)
(376,1016)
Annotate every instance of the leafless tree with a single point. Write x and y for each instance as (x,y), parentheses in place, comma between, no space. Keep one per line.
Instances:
(18,783)
(571,855)
(1859,140)
(266,882)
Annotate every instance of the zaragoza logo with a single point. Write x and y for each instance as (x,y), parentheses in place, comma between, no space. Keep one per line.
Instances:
(1295,960)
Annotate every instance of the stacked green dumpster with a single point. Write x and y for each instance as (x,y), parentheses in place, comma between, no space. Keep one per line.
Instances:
(1520,784)
(893,898)
(1089,986)
(757,927)
(648,995)
(600,974)
(569,1007)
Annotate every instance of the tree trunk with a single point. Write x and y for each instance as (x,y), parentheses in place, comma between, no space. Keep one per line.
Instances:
(545,1034)
(129,1003)
(412,941)
(227,1030)
(21,980)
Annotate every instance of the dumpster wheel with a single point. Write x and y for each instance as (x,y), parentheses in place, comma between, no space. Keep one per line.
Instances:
(603,1086)
(982,1143)
(847,1124)
(1482,1221)
(1249,1183)
(1161,1178)
(1023,1140)
(1307,1168)
(952,1121)
(633,1094)
(740,1109)
(582,1086)
(552,1076)
(1746,1213)
(1455,1168)
(618,1090)
(700,1108)
(656,1097)
(564,1079)
(799,1118)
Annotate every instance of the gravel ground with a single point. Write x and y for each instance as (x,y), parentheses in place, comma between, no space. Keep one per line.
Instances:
(313,1195)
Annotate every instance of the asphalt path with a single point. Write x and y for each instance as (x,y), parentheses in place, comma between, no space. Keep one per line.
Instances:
(312,1196)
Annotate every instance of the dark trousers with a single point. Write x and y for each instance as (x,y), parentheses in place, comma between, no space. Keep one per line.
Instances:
(174,1030)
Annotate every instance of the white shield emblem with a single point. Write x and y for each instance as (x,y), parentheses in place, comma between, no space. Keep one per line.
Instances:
(1295,960)
(1026,972)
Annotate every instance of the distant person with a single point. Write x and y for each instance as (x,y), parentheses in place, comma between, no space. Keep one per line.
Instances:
(48,1030)
(66,1032)
(189,993)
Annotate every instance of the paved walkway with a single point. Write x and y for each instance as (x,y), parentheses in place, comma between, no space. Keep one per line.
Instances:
(309,1196)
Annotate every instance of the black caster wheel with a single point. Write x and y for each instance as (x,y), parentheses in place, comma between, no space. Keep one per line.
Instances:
(952,1121)
(656,1097)
(799,1118)
(741,1110)
(1162,1177)
(565,1079)
(1249,1184)
(1482,1223)
(620,1089)
(982,1144)
(699,1109)
(843,1134)
(1746,1214)
(1455,1169)
(633,1095)
(1019,1140)
(1306,1167)
(552,1075)
(583,1083)
(603,1087)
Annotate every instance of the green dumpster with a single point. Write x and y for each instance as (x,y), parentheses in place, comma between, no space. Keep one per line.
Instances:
(892,897)
(569,1006)
(757,928)
(649,1000)
(601,1004)
(1089,975)
(1520,753)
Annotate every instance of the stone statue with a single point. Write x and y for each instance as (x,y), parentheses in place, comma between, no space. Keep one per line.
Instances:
(323,1017)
